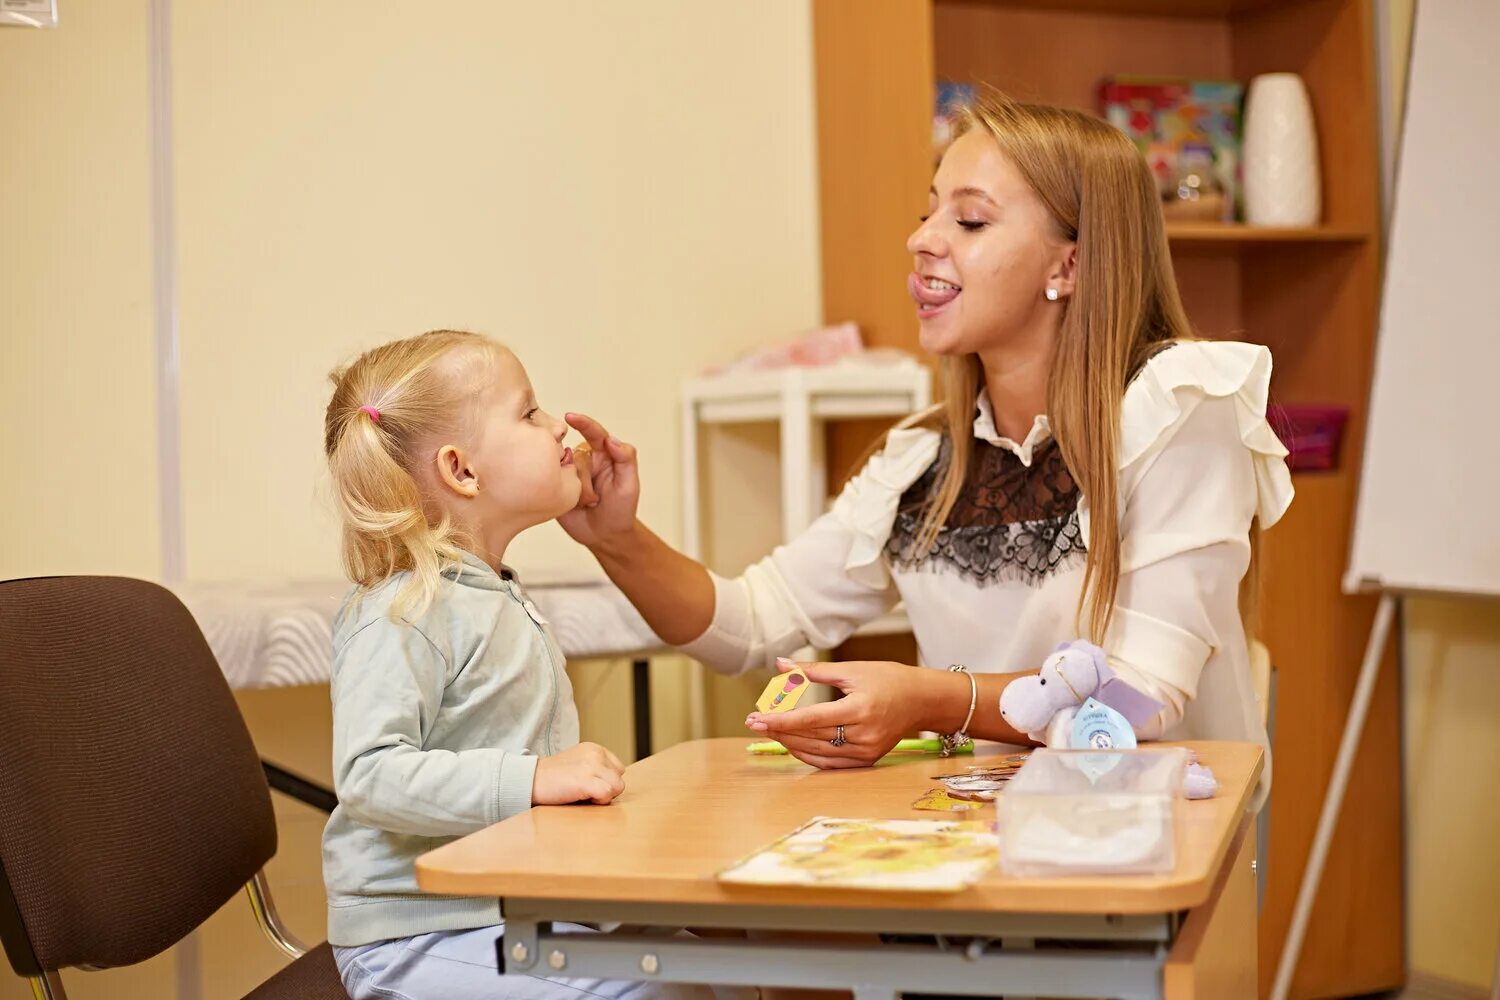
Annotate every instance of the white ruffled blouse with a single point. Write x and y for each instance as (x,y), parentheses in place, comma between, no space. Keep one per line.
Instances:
(1198,462)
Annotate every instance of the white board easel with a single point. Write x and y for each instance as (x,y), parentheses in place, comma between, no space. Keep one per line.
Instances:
(1429,494)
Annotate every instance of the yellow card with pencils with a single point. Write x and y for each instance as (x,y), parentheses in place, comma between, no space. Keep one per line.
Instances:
(783,692)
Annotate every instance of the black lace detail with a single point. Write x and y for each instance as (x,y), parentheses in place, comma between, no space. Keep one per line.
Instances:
(1011,522)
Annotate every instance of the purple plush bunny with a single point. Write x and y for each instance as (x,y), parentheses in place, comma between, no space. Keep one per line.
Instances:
(1043,707)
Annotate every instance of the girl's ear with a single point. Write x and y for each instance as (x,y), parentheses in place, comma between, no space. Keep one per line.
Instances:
(454,472)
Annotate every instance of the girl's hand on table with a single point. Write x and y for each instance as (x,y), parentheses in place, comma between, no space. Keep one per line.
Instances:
(584,773)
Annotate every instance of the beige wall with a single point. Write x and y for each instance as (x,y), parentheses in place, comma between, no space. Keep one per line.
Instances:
(1452,687)
(610,188)
(77,398)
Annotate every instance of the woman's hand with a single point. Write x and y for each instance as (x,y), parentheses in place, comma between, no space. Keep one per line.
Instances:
(879,707)
(611,485)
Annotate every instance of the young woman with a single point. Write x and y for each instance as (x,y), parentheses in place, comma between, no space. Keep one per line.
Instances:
(1094,472)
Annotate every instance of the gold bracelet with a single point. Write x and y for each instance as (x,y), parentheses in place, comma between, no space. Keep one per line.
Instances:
(957,741)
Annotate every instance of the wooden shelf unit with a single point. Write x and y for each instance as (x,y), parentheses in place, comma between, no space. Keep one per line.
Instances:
(1311,295)
(1235,233)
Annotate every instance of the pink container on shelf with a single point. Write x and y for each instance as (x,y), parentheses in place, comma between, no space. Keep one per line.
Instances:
(1311,433)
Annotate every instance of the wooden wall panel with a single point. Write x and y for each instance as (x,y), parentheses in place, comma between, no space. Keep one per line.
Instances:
(1318,307)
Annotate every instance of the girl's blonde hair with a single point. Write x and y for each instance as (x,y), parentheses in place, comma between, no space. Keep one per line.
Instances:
(386,404)
(1101,195)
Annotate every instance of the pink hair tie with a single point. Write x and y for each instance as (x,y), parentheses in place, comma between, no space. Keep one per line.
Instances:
(374,413)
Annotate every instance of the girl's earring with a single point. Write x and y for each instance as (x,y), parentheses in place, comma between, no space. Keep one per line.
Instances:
(1051,295)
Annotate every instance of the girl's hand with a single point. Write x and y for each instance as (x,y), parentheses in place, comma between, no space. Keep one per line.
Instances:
(611,486)
(876,712)
(585,773)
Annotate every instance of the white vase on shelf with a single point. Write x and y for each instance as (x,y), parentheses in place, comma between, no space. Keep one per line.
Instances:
(1283,185)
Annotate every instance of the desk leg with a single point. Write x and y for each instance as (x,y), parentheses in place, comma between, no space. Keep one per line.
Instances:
(1214,957)
(640,690)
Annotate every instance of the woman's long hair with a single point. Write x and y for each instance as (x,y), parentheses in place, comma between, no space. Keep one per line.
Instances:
(1124,307)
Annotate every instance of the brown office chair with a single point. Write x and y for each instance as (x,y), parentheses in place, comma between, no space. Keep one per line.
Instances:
(132,803)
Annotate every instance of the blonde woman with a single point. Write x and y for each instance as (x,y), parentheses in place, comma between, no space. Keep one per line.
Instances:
(451,710)
(1094,472)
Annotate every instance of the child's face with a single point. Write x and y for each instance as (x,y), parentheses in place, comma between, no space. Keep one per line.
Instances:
(515,472)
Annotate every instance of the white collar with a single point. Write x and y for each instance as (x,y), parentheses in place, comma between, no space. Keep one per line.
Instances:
(984,429)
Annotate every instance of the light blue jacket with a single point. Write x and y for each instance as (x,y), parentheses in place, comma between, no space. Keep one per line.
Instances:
(438,721)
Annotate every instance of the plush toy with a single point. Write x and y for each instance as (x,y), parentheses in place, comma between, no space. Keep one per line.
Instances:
(1044,707)
(1199,782)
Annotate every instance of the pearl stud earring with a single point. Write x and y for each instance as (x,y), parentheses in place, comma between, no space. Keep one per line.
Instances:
(1051,295)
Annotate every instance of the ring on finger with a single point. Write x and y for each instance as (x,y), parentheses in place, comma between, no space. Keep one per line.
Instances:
(838,737)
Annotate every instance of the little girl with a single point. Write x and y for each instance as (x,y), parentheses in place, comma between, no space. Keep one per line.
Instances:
(451,710)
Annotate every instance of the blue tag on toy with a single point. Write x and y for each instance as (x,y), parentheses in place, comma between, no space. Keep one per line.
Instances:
(1099,727)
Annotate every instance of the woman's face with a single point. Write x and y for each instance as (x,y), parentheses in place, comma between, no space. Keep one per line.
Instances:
(985,255)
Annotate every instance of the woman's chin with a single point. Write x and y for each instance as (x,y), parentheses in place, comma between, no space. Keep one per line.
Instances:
(940,339)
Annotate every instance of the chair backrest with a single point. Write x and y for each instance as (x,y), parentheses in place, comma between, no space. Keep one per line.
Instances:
(132,802)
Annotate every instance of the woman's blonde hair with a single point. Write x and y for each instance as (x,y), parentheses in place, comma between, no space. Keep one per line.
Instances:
(385,406)
(1101,195)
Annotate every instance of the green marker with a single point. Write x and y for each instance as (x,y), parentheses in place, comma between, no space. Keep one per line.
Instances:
(931,745)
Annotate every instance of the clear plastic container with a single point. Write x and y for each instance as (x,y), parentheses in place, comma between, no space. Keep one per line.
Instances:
(1092,812)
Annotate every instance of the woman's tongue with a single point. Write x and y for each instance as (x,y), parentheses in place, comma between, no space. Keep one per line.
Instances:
(930,293)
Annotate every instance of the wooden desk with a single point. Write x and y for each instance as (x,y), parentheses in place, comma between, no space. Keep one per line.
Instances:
(693,810)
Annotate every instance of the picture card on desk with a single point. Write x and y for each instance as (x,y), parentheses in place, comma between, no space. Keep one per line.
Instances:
(909,855)
(940,800)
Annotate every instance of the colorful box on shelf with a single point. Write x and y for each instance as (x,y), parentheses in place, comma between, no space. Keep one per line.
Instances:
(1311,433)
(950,98)
(1189,132)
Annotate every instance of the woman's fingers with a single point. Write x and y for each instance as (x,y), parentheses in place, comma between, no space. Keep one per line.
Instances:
(823,735)
(626,481)
(592,430)
(615,456)
(824,762)
(820,746)
(583,461)
(619,451)
(837,675)
(824,715)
